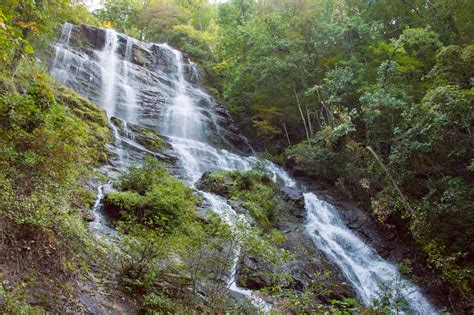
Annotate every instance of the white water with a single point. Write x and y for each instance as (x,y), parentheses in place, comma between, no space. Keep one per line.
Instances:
(361,265)
(184,125)
(101,224)
(229,216)
(108,62)
(180,115)
(127,73)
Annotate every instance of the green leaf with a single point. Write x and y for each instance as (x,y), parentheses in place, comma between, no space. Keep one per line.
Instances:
(28,49)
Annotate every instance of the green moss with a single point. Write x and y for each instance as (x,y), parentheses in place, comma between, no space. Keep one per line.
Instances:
(94,118)
(152,140)
(256,189)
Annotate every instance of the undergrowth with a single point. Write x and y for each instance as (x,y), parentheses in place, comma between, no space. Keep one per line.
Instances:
(48,149)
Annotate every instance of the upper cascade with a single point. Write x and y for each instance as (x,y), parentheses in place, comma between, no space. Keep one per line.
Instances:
(138,82)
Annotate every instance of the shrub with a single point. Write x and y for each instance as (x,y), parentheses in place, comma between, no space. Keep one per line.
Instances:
(151,196)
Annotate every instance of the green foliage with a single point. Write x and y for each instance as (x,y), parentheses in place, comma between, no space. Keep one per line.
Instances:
(318,161)
(391,297)
(395,76)
(153,197)
(344,76)
(120,14)
(14,300)
(46,155)
(164,242)
(255,188)
(27,26)
(126,200)
(160,304)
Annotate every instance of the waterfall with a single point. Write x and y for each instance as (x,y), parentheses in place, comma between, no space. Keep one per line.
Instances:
(127,73)
(108,63)
(229,216)
(361,265)
(158,88)
(184,124)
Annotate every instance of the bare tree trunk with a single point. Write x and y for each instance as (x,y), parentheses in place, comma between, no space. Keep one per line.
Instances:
(286,134)
(308,117)
(302,115)
(329,116)
(392,180)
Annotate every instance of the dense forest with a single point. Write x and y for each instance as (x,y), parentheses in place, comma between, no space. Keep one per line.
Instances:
(369,100)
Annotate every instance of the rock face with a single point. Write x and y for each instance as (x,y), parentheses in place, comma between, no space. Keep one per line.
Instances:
(146,139)
(151,70)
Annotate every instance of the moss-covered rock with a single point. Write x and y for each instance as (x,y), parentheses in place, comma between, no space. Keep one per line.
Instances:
(145,137)
(258,193)
(219,183)
(94,118)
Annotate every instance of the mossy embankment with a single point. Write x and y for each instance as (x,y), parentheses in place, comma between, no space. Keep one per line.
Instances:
(51,139)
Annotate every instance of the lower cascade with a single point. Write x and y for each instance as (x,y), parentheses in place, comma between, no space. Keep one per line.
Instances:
(361,265)
(157,87)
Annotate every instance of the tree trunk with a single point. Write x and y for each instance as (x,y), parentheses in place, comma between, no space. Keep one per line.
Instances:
(302,116)
(286,134)
(392,180)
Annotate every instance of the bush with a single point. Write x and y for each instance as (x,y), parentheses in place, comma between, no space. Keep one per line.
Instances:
(255,188)
(127,201)
(319,159)
(151,196)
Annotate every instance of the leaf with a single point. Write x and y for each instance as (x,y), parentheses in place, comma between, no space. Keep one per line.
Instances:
(28,49)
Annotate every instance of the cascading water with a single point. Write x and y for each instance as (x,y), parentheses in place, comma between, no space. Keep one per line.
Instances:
(361,265)
(157,88)
(108,62)
(225,211)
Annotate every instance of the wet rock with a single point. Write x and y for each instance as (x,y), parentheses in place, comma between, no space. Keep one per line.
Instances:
(237,205)
(251,273)
(310,269)
(88,216)
(87,37)
(293,195)
(154,71)
(148,139)
(215,183)
(142,56)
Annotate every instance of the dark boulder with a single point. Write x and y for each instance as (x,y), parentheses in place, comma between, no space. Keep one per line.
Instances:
(309,269)
(293,195)
(215,183)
